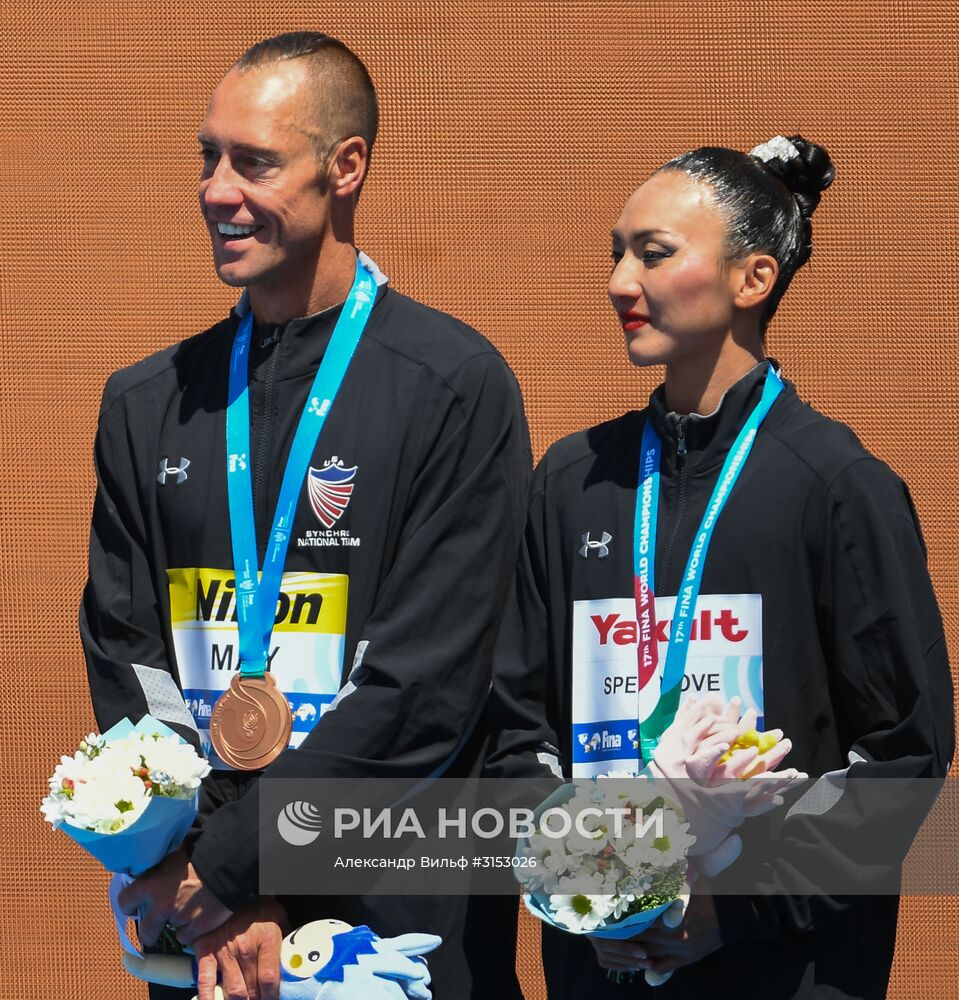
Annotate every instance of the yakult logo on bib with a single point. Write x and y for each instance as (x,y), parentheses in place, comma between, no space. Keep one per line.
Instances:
(725,658)
(625,631)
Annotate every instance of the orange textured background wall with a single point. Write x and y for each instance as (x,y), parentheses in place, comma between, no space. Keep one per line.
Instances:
(512,133)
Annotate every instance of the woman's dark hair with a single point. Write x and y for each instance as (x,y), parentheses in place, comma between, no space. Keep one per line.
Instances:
(768,197)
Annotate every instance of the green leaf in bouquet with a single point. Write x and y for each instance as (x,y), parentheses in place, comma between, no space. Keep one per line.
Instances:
(666,887)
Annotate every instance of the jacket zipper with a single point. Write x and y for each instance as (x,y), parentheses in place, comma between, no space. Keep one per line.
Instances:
(664,565)
(263,443)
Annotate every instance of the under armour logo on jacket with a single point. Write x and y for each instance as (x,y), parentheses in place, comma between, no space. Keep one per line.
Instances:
(602,545)
(173,470)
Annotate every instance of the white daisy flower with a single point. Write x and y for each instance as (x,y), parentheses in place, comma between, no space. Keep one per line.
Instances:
(620,904)
(580,912)
(641,855)
(675,842)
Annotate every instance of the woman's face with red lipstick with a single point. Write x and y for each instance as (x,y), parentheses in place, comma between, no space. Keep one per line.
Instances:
(672,284)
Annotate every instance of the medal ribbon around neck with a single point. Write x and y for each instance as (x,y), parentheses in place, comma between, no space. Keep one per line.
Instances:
(252,721)
(256,596)
(644,561)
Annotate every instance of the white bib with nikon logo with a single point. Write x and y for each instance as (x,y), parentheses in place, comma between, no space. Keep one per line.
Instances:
(725,658)
(306,650)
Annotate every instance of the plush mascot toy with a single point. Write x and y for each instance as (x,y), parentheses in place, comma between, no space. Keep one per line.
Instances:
(330,960)
(322,960)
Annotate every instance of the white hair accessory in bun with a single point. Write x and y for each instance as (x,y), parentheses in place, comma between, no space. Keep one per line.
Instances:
(778,148)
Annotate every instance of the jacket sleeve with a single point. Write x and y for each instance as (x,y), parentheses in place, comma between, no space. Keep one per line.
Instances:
(883,638)
(120,625)
(421,672)
(523,742)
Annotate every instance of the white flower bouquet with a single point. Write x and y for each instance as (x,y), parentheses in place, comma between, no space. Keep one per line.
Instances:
(610,856)
(613,854)
(129,796)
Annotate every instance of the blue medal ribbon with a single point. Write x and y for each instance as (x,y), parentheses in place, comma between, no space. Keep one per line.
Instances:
(647,506)
(644,555)
(256,595)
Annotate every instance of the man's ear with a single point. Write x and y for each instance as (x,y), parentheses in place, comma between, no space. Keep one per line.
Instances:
(348,167)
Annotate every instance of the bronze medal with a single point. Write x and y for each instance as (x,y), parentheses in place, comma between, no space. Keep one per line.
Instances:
(251,722)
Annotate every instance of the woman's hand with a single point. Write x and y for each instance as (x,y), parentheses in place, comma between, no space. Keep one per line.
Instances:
(662,949)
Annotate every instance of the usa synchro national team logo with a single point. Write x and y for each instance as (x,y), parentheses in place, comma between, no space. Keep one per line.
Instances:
(330,490)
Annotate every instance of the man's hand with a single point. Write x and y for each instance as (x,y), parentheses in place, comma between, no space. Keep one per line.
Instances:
(246,949)
(664,949)
(172,893)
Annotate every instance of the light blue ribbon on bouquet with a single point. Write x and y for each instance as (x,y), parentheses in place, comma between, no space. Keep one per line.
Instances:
(164,970)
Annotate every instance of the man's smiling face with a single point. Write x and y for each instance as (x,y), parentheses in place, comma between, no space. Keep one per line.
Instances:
(263,192)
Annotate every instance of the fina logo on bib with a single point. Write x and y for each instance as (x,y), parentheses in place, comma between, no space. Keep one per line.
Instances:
(606,739)
(330,490)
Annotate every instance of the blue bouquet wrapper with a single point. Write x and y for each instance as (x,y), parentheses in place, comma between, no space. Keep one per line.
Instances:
(158,831)
(626,927)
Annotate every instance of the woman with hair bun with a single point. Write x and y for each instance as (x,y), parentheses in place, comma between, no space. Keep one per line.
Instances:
(811,600)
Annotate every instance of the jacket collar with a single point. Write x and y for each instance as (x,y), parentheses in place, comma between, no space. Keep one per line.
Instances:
(301,342)
(709,436)
(243,306)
